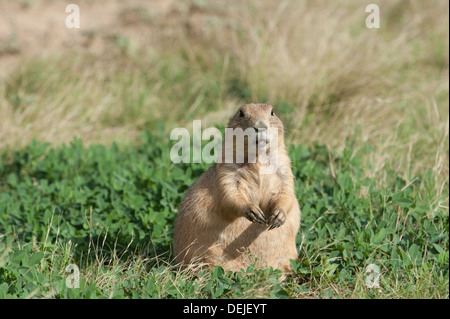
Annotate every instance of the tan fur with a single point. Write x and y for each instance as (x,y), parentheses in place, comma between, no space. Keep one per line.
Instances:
(213,223)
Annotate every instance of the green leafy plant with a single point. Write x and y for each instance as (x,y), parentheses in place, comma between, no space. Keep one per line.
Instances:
(110,211)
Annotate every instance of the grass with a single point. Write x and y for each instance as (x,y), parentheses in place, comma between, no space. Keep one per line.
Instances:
(366,116)
(110,211)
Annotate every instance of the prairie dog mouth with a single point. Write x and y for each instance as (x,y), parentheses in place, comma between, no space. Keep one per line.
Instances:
(262,139)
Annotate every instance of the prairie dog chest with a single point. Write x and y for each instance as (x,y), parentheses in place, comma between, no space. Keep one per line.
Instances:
(270,185)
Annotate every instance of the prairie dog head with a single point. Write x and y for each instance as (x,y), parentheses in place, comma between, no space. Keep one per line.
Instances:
(262,120)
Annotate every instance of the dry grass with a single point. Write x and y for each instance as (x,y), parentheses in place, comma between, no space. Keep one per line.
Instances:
(387,88)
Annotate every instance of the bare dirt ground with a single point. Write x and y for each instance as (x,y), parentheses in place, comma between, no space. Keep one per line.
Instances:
(37,27)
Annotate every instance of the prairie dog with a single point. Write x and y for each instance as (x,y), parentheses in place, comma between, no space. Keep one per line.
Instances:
(234,215)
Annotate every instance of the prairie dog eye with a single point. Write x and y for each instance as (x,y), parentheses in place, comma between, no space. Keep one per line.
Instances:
(241,113)
(271,112)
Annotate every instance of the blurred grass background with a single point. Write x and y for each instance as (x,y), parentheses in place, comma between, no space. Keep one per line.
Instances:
(136,64)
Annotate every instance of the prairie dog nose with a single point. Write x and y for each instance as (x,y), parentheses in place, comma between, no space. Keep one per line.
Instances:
(260,124)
